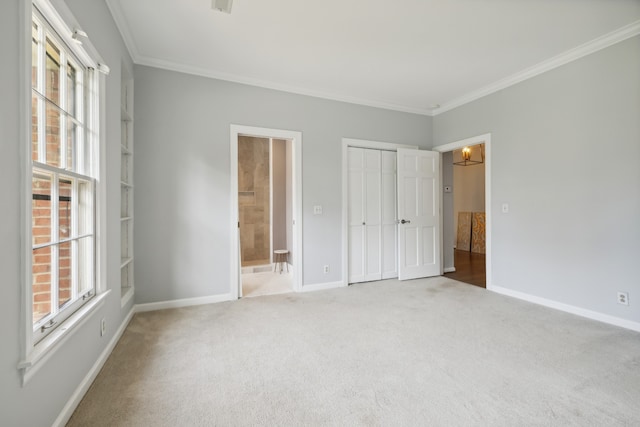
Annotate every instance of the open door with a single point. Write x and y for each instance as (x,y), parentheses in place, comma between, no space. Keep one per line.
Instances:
(418,214)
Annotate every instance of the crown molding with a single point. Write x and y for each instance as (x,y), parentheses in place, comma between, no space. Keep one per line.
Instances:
(123,27)
(570,55)
(203,72)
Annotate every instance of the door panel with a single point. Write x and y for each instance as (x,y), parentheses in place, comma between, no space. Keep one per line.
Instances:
(419,206)
(373,270)
(356,249)
(389,226)
(372,198)
(364,215)
(356,207)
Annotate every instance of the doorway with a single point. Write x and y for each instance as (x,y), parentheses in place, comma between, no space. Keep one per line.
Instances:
(466,201)
(266,211)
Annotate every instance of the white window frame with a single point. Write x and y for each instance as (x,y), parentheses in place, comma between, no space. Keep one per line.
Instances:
(55,15)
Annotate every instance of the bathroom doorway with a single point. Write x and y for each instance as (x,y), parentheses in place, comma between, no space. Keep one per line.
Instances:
(266,209)
(262,207)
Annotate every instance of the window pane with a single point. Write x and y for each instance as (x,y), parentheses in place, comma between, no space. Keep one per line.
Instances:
(34,56)
(64,273)
(71,89)
(53,135)
(86,157)
(85,208)
(65,190)
(85,265)
(72,138)
(41,208)
(52,75)
(34,128)
(41,284)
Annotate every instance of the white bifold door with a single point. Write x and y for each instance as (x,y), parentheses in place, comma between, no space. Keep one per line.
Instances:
(393,214)
(372,215)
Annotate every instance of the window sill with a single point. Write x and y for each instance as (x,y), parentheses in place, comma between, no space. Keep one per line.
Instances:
(47,347)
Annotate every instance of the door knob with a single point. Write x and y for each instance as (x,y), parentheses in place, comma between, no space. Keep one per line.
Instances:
(405,221)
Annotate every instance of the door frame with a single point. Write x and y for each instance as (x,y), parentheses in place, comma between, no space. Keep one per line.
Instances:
(456,145)
(359,143)
(296,167)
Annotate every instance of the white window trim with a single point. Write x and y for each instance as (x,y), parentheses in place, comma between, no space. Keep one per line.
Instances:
(62,20)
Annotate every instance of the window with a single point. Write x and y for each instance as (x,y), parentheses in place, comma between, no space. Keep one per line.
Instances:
(64,154)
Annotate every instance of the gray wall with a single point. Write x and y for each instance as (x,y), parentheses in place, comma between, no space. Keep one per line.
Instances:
(182,235)
(40,401)
(565,151)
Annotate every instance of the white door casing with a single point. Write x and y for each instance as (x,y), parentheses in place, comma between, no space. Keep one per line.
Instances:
(296,253)
(418,178)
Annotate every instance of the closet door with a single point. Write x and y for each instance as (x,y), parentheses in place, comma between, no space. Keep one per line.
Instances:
(389,216)
(365,215)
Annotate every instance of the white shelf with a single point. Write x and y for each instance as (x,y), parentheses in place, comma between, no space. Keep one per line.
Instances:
(126,188)
(125,261)
(125,115)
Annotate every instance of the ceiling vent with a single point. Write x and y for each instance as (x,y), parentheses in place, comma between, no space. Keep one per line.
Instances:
(222,5)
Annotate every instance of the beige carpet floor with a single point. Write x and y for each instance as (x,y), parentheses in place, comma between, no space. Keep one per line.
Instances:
(428,352)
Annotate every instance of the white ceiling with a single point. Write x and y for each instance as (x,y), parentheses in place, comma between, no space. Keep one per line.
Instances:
(408,55)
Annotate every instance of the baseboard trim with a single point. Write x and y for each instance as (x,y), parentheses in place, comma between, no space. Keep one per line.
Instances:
(583,312)
(186,302)
(86,382)
(322,286)
(449,269)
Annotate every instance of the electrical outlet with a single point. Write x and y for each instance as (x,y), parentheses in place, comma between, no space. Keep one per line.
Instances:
(326,269)
(623,298)
(103,327)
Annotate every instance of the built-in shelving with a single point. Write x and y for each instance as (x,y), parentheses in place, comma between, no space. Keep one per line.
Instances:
(126,189)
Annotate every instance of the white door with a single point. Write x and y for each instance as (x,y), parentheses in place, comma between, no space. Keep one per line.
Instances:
(418,214)
(364,213)
(389,211)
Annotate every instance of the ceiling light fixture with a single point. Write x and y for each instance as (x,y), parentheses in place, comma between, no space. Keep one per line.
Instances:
(466,157)
(222,5)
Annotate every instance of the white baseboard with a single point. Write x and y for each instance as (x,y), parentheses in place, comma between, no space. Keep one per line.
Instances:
(86,382)
(594,315)
(449,269)
(322,286)
(187,302)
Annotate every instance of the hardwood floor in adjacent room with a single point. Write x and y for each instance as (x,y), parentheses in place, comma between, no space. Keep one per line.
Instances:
(470,268)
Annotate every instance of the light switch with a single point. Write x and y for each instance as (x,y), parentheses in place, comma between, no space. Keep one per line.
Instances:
(317,210)
(505,208)
(447,189)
